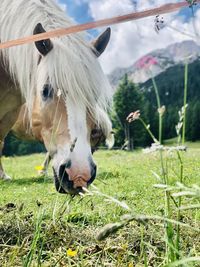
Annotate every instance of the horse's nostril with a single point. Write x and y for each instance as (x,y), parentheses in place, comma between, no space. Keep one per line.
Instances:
(64,180)
(63,167)
(94,170)
(62,173)
(58,186)
(68,164)
(93,173)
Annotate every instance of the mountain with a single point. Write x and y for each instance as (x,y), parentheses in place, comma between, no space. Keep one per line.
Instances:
(157,62)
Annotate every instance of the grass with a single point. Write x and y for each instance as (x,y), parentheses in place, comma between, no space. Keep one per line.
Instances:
(38,226)
(173,141)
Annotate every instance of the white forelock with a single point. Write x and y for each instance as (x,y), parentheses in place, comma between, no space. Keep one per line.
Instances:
(70,66)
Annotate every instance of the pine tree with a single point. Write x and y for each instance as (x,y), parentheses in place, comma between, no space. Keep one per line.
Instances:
(195,122)
(128,98)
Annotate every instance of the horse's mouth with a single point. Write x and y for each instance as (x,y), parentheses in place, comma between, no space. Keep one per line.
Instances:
(63,185)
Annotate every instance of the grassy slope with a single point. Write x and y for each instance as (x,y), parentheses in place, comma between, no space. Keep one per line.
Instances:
(73,223)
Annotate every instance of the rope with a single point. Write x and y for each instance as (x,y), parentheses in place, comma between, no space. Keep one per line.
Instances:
(167,8)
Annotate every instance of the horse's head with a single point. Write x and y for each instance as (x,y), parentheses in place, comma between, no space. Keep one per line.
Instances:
(63,109)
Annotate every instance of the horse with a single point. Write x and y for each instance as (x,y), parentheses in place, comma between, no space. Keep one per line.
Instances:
(62,83)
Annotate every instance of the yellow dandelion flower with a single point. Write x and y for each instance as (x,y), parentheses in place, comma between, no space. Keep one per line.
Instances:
(71,253)
(39,168)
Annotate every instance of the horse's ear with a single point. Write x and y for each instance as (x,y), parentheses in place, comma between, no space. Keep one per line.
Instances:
(101,42)
(43,46)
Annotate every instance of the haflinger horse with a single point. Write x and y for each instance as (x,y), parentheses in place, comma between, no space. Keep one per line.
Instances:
(60,80)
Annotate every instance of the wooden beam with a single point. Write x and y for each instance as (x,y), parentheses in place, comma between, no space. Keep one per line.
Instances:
(167,8)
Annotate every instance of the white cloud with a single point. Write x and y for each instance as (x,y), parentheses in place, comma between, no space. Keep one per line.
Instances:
(144,4)
(132,40)
(103,9)
(62,5)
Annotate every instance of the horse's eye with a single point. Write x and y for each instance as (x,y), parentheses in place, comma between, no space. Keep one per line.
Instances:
(47,92)
(94,133)
(96,138)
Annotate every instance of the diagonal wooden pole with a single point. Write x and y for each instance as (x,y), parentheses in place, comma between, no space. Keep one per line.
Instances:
(167,8)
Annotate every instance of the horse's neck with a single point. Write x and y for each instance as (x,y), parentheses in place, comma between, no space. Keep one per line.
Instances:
(10,102)
(10,97)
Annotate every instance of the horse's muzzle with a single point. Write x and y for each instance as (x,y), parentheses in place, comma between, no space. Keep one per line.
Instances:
(65,184)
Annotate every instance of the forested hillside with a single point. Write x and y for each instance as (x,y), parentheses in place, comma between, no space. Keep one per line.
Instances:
(171,89)
(130,97)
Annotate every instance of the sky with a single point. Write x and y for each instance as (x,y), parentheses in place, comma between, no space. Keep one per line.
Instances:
(131,40)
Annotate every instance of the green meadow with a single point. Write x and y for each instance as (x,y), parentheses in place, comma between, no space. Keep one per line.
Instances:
(39,227)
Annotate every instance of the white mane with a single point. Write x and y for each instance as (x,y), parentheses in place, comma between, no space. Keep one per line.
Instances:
(72,66)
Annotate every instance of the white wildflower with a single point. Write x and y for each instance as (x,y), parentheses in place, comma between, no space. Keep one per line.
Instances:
(154,147)
(178,127)
(161,110)
(157,147)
